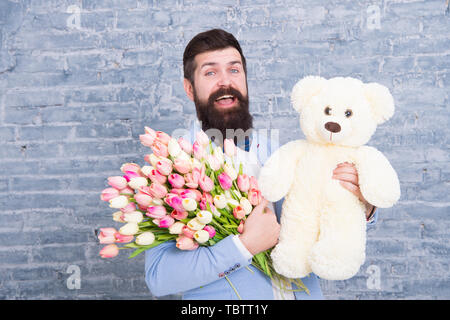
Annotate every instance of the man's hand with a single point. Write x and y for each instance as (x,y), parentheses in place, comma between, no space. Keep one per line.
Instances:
(261,229)
(347,175)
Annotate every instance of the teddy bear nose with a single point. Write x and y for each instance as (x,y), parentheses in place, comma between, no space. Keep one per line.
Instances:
(333,127)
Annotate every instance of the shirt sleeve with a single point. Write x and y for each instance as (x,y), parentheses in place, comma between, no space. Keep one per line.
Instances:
(169,270)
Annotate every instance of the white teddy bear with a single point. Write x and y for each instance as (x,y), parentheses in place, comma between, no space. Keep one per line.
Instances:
(323,225)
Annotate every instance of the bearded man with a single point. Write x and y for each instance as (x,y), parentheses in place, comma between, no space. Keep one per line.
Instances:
(215,79)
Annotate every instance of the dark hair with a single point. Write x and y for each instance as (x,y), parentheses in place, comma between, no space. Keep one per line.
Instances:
(211,40)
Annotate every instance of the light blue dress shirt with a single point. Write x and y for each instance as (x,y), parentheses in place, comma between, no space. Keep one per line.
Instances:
(200,274)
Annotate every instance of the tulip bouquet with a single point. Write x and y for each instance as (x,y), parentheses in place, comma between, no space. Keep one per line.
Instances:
(192,194)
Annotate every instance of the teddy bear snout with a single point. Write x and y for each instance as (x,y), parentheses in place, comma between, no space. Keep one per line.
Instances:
(333,127)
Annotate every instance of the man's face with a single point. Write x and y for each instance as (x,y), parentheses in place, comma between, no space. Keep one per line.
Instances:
(220,90)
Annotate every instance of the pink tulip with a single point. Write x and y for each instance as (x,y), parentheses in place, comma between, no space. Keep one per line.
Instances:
(127,191)
(254,196)
(225,181)
(229,147)
(202,205)
(185,145)
(117,182)
(202,138)
(185,243)
(207,197)
(182,166)
(162,137)
(187,232)
(206,184)
(164,166)
(109,251)
(176,180)
(129,208)
(192,178)
(120,238)
(211,231)
(243,182)
(199,150)
(239,212)
(147,139)
(143,200)
(179,215)
(106,235)
(157,212)
(178,191)
(159,149)
(130,167)
(240,228)
(157,190)
(109,193)
(166,221)
(253,183)
(175,201)
(149,130)
(130,175)
(191,193)
(156,176)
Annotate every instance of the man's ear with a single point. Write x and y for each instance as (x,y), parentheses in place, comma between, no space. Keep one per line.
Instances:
(189,88)
(305,89)
(380,100)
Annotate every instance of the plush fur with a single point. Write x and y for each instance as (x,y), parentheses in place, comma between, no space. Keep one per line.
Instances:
(323,225)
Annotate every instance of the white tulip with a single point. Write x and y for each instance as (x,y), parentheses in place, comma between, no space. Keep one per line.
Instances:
(218,153)
(153,159)
(246,205)
(194,224)
(129,229)
(228,194)
(138,182)
(196,163)
(173,147)
(189,204)
(134,216)
(157,202)
(146,170)
(145,238)
(183,156)
(118,202)
(215,212)
(233,202)
(204,217)
(117,216)
(176,228)
(230,171)
(201,236)
(220,201)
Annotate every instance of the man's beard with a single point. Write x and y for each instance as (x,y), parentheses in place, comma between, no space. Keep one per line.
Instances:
(229,121)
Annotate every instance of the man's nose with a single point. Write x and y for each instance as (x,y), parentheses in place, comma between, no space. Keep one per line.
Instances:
(224,80)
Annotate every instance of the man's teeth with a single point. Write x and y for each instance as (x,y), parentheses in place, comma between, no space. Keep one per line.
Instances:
(224,97)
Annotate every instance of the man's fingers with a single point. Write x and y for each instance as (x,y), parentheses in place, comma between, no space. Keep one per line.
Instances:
(352,188)
(348,177)
(345,169)
(261,206)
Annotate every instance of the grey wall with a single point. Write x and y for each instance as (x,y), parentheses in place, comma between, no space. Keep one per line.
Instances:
(76,90)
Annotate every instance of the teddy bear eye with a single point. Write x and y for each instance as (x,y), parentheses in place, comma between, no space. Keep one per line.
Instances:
(327,111)
(348,113)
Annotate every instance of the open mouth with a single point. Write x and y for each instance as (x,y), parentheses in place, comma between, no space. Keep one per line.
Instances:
(226,100)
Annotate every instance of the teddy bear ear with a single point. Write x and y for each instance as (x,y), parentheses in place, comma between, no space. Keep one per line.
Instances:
(380,100)
(305,89)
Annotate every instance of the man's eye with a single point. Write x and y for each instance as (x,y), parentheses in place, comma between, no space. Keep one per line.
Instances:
(209,73)
(234,70)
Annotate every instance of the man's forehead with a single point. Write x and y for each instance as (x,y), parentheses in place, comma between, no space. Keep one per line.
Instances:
(217,57)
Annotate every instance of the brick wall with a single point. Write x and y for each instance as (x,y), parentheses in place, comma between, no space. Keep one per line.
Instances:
(80,79)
